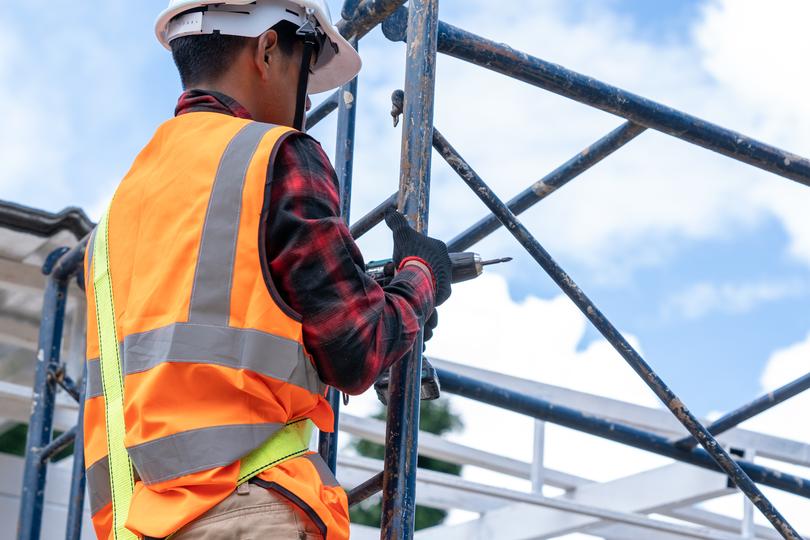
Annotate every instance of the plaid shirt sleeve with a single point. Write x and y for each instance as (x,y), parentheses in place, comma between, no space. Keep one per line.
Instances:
(353,328)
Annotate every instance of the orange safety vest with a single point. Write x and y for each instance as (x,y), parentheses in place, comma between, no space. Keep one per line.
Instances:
(214,362)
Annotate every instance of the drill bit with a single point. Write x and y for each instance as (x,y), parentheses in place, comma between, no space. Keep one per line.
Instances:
(496,261)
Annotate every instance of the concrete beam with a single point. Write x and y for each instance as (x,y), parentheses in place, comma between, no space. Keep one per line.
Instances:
(18,333)
(437,447)
(15,404)
(669,486)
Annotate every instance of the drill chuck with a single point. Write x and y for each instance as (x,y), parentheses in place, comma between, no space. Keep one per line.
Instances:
(466,266)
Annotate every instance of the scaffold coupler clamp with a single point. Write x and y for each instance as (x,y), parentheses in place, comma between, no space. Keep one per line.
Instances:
(430,388)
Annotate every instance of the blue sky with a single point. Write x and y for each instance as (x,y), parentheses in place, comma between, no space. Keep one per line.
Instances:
(662,19)
(84,85)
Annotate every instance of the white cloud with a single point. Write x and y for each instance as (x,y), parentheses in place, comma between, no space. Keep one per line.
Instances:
(786,365)
(755,50)
(703,298)
(30,148)
(74,104)
(788,420)
(534,339)
(538,340)
(629,209)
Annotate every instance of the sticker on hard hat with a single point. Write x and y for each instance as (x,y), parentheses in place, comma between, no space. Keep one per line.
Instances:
(185,24)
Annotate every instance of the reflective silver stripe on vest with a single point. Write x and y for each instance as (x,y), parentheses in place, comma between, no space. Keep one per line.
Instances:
(237,348)
(197,450)
(93,387)
(327,478)
(90,247)
(98,485)
(211,290)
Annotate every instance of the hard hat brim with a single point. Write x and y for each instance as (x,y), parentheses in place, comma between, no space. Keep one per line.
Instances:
(340,69)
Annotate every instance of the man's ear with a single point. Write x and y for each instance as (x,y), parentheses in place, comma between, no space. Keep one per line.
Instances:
(266,52)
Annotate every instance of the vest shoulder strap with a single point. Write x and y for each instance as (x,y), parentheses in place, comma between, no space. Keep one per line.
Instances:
(122,482)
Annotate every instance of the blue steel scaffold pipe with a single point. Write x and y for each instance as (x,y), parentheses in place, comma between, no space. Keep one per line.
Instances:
(749,410)
(71,262)
(366,15)
(503,59)
(359,17)
(57,445)
(323,110)
(375,216)
(613,336)
(344,148)
(344,163)
(73,530)
(541,409)
(367,489)
(58,267)
(402,426)
(550,183)
(541,189)
(69,386)
(348,10)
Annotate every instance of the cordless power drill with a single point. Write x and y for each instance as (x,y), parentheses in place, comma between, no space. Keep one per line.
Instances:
(466,266)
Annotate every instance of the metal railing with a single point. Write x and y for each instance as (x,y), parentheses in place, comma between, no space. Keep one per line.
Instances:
(426,36)
(61,266)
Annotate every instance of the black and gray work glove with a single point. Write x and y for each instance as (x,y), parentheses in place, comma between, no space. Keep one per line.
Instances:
(409,243)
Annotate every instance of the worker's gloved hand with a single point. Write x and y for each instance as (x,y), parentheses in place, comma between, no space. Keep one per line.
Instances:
(409,243)
(430,326)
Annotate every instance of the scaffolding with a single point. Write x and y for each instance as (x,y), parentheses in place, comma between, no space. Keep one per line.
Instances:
(607,509)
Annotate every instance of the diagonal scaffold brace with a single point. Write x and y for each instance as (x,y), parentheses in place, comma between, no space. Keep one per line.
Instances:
(614,337)
(504,214)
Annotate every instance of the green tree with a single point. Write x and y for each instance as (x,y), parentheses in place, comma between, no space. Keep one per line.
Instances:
(13,439)
(434,417)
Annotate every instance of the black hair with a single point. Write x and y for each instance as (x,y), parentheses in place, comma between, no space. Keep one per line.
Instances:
(207,57)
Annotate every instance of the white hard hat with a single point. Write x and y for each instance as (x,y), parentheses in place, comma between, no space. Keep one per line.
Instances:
(337,62)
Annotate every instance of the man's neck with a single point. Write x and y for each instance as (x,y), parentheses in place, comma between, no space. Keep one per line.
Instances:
(236,88)
(205,100)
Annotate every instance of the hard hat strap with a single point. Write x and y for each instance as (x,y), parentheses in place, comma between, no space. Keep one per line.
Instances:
(303,82)
(310,38)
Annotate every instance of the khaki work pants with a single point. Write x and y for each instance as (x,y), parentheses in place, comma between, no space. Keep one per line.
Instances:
(251,513)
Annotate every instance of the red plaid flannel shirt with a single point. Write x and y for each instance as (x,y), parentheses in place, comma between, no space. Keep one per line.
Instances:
(353,328)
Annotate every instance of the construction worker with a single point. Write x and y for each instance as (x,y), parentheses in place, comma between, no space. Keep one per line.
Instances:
(225,292)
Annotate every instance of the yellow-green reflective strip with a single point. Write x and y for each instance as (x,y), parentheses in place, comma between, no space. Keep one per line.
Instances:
(121,481)
(290,441)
